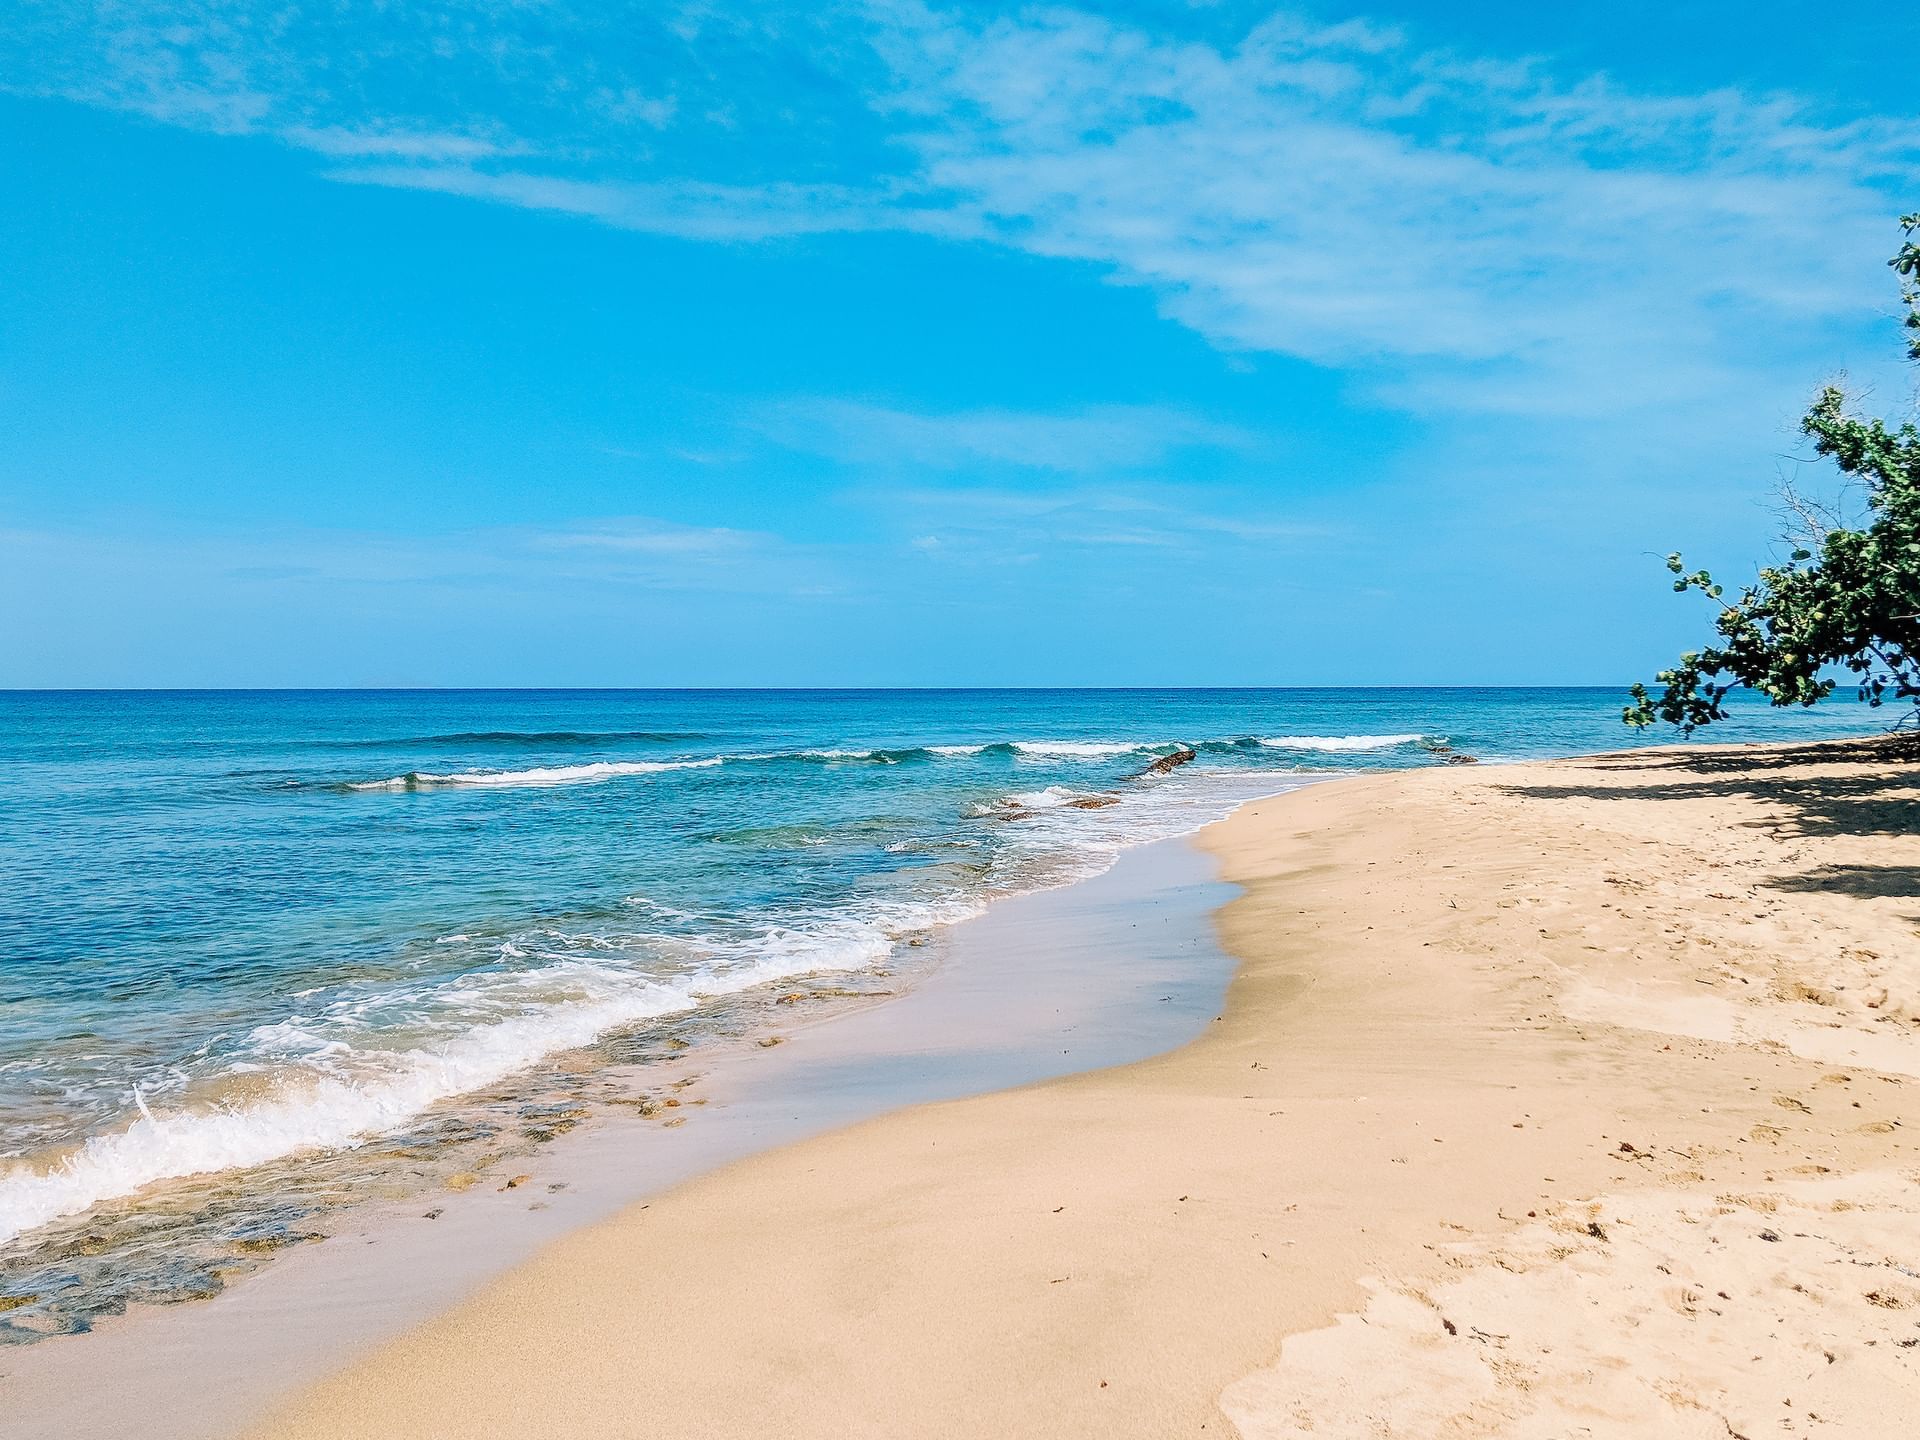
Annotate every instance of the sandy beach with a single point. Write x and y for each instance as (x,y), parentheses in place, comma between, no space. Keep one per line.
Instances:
(959,722)
(1564,1098)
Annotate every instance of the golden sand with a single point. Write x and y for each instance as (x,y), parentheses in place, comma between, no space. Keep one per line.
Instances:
(1572,1098)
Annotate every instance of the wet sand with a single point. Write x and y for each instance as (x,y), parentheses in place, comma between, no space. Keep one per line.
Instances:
(1107,970)
(1548,1099)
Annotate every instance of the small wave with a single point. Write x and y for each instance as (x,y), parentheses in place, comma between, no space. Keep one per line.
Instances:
(1337,742)
(776,837)
(1055,749)
(525,737)
(598,770)
(1053,797)
(872,757)
(864,828)
(660,907)
(837,755)
(473,1031)
(542,775)
(1040,799)
(562,1006)
(1090,749)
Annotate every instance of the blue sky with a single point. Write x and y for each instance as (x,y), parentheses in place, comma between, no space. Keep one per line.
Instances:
(893,343)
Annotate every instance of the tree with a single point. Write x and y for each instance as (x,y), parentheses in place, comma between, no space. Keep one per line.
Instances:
(1848,596)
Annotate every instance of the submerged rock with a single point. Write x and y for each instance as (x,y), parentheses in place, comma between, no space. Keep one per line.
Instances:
(1167,764)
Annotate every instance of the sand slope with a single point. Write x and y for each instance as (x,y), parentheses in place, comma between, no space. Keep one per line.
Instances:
(1550,1100)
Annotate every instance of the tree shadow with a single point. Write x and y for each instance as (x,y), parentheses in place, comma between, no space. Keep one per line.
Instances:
(1900,748)
(1808,788)
(1873,881)
(1869,882)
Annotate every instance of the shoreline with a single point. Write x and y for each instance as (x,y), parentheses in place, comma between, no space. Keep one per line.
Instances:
(1482,1086)
(999,1000)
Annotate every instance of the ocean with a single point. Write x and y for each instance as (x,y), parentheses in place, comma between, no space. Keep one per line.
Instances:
(267,954)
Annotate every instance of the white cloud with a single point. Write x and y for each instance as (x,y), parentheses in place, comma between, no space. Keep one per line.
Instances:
(1099,438)
(652,537)
(1467,232)
(998,525)
(1457,232)
(629,553)
(379,142)
(695,210)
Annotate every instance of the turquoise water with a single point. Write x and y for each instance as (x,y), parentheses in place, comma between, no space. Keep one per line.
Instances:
(249,939)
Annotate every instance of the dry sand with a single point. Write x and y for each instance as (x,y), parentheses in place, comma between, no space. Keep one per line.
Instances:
(1551,1100)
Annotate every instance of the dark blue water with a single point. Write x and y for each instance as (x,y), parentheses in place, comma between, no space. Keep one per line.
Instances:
(239,927)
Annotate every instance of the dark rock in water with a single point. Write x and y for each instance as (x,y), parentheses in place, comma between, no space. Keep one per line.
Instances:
(265,1243)
(1463,759)
(1166,764)
(1092,802)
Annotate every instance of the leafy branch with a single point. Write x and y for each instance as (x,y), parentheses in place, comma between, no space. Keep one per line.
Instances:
(1847,597)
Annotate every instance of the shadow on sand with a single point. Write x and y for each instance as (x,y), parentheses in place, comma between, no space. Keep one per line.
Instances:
(1831,789)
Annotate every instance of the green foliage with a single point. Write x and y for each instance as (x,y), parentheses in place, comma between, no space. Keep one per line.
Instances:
(1907,266)
(1848,596)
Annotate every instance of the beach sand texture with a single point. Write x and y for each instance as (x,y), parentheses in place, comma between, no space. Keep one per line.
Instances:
(1558,1099)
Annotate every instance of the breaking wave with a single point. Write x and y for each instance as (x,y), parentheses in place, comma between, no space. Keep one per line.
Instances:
(369,1061)
(1337,743)
(542,775)
(1058,750)
(338,1095)
(525,737)
(1051,798)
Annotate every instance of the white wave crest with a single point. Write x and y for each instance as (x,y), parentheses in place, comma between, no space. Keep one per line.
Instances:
(542,775)
(1042,799)
(1051,798)
(327,1097)
(562,1006)
(1085,749)
(1337,742)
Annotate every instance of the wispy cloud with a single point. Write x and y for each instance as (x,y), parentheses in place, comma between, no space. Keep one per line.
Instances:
(654,537)
(1456,231)
(694,210)
(379,142)
(586,91)
(1468,230)
(1000,525)
(625,553)
(1096,439)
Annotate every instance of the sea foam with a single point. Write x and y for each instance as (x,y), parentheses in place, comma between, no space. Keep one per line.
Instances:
(541,775)
(1337,742)
(336,1096)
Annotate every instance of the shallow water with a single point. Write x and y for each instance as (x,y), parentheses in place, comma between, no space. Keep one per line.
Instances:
(261,954)
(1111,969)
